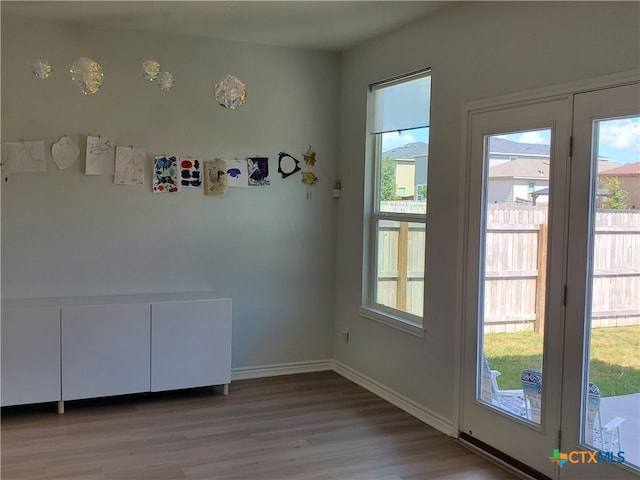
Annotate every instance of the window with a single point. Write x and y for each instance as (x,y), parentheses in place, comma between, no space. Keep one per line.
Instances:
(395,263)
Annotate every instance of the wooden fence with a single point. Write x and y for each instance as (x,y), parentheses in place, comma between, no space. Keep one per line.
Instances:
(515,268)
(516,262)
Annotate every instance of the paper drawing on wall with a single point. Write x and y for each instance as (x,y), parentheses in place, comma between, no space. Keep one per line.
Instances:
(65,152)
(237,173)
(190,172)
(100,156)
(129,166)
(258,171)
(215,177)
(165,174)
(23,157)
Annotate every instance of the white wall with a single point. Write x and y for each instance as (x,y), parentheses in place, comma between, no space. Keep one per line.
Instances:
(500,190)
(270,249)
(476,50)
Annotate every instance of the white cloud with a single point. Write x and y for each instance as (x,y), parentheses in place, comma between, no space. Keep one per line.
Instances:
(531,137)
(623,134)
(393,140)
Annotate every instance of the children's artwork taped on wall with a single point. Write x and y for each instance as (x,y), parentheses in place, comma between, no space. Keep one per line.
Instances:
(215,177)
(190,172)
(165,174)
(65,152)
(100,156)
(23,157)
(129,166)
(258,171)
(237,173)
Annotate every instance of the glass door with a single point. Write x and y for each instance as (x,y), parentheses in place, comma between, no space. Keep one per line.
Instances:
(601,391)
(515,246)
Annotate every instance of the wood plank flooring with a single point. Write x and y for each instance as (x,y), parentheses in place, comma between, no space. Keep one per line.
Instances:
(311,426)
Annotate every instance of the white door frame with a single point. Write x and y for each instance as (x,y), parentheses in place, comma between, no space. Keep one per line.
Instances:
(469,109)
(590,106)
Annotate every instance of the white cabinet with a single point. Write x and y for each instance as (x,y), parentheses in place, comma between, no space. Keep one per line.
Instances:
(105,350)
(71,348)
(190,344)
(30,355)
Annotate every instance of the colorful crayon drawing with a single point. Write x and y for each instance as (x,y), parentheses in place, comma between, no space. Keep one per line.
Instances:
(165,174)
(190,172)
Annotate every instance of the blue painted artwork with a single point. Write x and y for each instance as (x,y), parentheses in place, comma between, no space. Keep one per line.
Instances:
(165,174)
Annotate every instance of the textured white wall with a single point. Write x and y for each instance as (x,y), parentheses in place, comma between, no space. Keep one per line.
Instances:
(476,50)
(270,249)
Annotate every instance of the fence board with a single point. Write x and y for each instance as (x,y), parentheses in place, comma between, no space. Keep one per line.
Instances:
(514,293)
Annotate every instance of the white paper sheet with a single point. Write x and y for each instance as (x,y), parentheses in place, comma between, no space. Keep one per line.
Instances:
(100,156)
(129,166)
(237,173)
(24,157)
(65,152)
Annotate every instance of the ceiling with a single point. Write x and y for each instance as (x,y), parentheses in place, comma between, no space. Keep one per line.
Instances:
(324,25)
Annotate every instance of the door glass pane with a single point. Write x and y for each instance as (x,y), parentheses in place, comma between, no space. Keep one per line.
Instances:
(612,394)
(517,197)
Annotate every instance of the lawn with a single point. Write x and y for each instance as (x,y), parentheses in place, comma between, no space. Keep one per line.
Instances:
(615,358)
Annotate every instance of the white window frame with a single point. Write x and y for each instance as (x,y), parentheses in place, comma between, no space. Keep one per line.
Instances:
(398,319)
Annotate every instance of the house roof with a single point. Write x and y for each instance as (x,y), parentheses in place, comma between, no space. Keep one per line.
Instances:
(496,145)
(504,146)
(530,169)
(410,150)
(521,168)
(628,169)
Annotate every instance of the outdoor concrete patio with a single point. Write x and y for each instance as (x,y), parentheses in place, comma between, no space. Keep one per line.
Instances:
(627,406)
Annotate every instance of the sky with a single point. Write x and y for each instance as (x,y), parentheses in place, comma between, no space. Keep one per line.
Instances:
(392,140)
(619,139)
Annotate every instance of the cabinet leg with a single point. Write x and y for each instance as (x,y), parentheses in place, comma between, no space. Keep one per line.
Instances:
(60,407)
(225,389)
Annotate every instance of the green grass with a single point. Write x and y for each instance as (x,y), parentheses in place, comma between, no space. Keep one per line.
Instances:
(615,358)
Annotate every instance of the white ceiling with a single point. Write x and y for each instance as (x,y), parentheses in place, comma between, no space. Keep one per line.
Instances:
(324,25)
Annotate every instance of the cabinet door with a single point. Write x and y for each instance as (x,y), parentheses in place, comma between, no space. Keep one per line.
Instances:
(30,355)
(105,350)
(191,344)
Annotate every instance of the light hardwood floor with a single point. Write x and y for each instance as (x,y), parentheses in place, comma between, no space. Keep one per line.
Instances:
(311,426)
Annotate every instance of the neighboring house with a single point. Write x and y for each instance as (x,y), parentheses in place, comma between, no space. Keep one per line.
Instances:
(629,176)
(519,172)
(410,167)
(502,150)
(517,180)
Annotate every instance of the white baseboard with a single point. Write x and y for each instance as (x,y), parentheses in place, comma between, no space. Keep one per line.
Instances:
(244,373)
(412,408)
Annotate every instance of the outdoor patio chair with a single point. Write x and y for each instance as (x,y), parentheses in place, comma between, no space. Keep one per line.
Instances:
(603,437)
(511,401)
(532,388)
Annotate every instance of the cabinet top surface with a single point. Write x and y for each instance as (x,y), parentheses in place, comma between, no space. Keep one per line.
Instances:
(111,299)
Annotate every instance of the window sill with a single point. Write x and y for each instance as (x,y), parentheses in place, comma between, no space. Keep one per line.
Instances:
(393,321)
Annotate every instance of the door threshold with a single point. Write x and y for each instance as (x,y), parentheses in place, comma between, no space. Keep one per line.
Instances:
(516,467)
